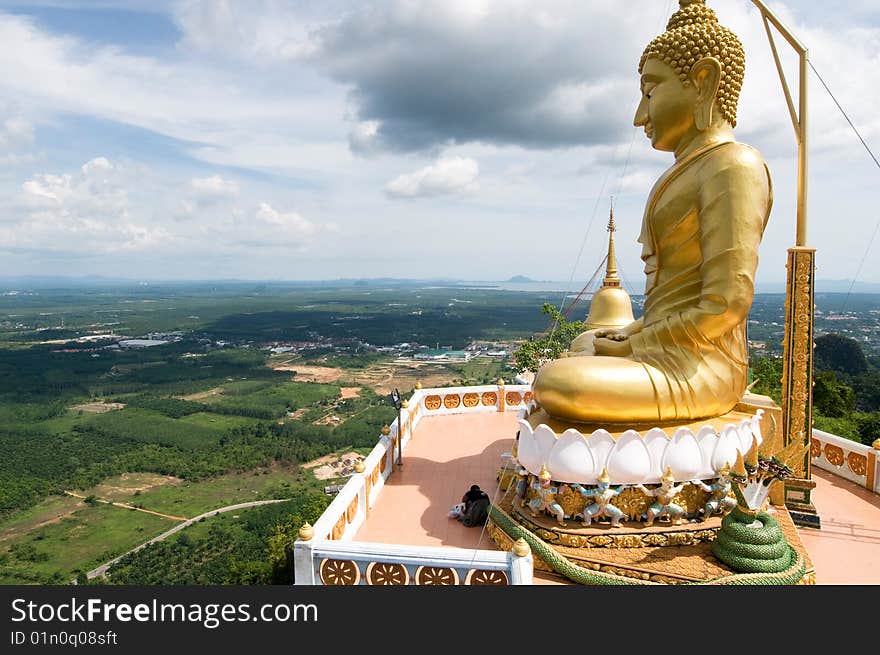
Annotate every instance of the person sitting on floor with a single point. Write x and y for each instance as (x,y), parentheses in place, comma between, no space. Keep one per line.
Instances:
(476,503)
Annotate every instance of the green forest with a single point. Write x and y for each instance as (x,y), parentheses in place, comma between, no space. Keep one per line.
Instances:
(846,390)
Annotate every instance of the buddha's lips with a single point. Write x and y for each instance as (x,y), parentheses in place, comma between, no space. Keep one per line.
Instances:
(649,131)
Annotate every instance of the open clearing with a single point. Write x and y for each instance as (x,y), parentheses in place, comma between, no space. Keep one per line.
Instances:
(381,378)
(66,534)
(126,486)
(202,394)
(323,466)
(98,408)
(305,373)
(48,511)
(349,392)
(78,541)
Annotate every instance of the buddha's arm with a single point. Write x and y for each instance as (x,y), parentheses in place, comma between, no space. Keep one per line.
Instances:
(734,202)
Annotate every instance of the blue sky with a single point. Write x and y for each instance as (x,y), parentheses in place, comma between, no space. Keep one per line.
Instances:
(474,139)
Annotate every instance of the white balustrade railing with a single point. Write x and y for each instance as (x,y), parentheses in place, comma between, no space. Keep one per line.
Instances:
(336,527)
(848,459)
(324,562)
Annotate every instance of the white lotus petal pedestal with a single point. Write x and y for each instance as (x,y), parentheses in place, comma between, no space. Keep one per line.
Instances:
(632,456)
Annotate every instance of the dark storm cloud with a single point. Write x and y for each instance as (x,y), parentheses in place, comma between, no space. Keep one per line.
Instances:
(536,75)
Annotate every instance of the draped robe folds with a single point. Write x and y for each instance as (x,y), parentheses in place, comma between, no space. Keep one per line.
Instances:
(700,236)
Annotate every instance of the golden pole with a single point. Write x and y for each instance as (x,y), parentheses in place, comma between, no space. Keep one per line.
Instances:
(801,122)
(802,155)
(797,376)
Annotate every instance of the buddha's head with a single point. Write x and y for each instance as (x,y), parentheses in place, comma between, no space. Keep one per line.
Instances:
(691,77)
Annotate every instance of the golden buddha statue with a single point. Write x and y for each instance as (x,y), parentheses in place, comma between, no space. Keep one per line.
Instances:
(686,358)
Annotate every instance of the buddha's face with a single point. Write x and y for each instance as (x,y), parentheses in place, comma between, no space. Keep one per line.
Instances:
(667,107)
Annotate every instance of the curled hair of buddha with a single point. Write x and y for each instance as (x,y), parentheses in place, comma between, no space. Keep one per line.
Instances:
(693,33)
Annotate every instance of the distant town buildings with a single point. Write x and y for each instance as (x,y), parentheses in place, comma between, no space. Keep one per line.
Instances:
(141,343)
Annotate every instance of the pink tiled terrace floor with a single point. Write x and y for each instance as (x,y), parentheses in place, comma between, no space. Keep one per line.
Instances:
(447,455)
(847,548)
(450,453)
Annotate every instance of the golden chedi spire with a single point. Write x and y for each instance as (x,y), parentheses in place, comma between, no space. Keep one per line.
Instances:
(611,307)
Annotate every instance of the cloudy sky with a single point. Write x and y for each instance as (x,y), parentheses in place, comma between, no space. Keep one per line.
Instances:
(317,139)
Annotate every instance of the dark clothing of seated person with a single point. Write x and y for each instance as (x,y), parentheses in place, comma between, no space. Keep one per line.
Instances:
(476,507)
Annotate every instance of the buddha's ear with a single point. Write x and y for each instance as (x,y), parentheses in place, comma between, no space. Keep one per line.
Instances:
(706,78)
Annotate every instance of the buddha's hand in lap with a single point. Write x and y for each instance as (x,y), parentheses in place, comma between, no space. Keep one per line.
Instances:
(615,345)
(614,335)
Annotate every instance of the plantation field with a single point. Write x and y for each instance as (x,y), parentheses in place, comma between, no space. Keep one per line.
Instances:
(267,400)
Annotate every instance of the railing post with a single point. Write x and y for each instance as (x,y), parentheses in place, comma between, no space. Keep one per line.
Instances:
(404,405)
(303,566)
(521,563)
(872,483)
(360,469)
(501,400)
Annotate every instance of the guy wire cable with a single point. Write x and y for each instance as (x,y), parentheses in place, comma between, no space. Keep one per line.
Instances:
(873,156)
(598,198)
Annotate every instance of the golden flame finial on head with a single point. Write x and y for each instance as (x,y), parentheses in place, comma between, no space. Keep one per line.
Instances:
(725,471)
(668,477)
(750,459)
(604,477)
(739,468)
(544,474)
(694,33)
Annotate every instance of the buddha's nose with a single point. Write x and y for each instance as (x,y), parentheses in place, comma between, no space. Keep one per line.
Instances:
(641,117)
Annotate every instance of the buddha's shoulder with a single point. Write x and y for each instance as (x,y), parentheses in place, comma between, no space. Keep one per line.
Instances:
(733,155)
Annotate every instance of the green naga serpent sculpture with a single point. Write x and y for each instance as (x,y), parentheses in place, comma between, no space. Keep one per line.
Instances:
(750,540)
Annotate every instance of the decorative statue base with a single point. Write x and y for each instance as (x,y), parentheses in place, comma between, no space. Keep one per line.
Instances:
(631,525)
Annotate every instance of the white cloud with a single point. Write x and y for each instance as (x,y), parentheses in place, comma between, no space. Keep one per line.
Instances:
(106,208)
(16,132)
(259,30)
(87,211)
(16,136)
(286,227)
(212,188)
(364,138)
(451,175)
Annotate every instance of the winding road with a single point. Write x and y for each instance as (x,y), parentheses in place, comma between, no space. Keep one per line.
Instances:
(101,570)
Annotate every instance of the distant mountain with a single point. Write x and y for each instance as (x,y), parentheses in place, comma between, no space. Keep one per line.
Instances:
(97,281)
